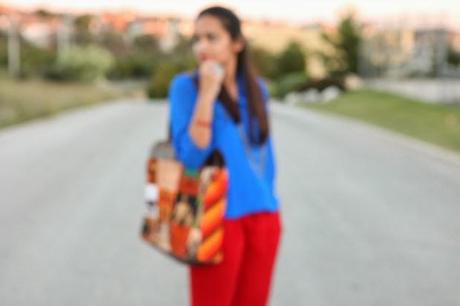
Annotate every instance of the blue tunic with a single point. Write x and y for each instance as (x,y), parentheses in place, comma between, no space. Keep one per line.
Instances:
(249,191)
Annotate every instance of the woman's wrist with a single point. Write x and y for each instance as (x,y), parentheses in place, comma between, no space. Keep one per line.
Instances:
(203,123)
(205,108)
(209,92)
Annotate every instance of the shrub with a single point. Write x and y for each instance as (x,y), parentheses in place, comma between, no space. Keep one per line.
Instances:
(132,66)
(86,64)
(289,82)
(164,72)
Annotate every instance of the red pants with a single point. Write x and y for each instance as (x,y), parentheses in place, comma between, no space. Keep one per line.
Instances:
(244,277)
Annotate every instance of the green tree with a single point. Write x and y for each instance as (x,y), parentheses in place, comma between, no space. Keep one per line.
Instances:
(289,71)
(345,43)
(82,29)
(291,60)
(453,56)
(264,61)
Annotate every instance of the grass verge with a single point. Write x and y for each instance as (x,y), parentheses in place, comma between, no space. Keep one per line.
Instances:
(434,123)
(23,100)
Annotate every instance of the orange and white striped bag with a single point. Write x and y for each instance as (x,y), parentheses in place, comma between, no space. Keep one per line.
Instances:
(185,207)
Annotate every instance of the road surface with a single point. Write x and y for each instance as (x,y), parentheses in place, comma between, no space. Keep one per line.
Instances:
(370,218)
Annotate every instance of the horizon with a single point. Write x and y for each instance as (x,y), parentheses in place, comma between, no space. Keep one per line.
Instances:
(294,11)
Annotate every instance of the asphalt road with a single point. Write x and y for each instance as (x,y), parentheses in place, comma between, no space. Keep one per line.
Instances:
(370,218)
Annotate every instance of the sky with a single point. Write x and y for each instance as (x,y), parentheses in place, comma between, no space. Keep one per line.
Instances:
(295,11)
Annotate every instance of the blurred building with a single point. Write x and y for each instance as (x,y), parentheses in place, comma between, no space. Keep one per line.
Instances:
(390,48)
(402,51)
(429,54)
(275,36)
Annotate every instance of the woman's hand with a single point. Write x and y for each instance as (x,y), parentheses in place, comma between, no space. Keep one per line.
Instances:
(211,78)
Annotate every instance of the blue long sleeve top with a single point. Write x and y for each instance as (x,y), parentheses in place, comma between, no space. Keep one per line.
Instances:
(248,191)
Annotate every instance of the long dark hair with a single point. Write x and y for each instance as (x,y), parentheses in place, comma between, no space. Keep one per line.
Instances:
(244,67)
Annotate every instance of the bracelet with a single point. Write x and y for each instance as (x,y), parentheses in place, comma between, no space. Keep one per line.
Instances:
(203,123)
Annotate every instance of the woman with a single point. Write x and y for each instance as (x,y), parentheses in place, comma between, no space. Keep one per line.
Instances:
(226,110)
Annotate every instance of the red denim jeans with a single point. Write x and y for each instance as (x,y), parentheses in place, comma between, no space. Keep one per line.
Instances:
(244,277)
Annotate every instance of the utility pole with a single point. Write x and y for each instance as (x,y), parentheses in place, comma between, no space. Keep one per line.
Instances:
(64,35)
(14,55)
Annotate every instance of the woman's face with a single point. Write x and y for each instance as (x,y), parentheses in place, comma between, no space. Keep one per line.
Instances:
(212,41)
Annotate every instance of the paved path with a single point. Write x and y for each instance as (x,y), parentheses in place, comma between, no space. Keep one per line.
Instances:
(370,218)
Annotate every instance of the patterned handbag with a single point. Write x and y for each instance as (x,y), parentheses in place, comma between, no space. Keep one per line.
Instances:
(185,207)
